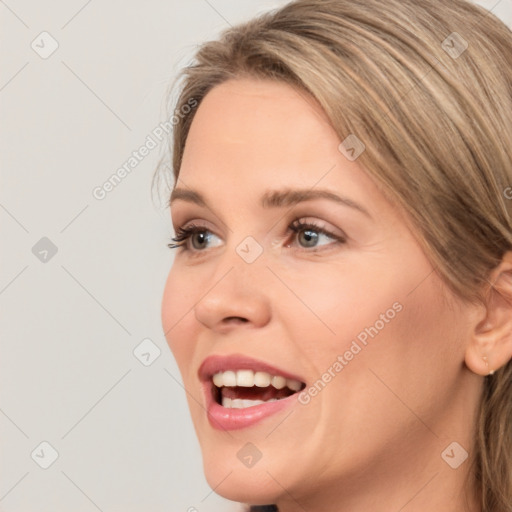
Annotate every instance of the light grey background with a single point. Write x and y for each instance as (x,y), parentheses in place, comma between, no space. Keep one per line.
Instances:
(70,323)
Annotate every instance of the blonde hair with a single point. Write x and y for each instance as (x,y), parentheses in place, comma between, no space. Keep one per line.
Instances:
(427,87)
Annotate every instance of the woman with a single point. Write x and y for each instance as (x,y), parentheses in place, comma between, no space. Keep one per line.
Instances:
(340,303)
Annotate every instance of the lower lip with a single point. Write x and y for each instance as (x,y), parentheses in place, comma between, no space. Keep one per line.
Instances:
(223,418)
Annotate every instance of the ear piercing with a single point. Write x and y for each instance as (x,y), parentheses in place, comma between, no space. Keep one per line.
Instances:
(490,372)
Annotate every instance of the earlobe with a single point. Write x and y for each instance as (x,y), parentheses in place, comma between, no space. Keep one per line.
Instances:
(490,346)
(476,362)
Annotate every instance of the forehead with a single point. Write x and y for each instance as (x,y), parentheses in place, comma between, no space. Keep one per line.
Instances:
(268,95)
(247,125)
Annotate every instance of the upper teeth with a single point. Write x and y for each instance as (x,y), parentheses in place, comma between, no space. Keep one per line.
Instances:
(249,378)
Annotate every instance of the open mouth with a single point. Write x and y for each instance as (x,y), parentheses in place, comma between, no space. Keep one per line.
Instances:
(241,389)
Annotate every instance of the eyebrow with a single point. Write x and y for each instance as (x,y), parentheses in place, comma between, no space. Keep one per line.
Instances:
(276,198)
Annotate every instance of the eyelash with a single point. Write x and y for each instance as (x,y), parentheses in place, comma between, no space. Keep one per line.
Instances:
(183,234)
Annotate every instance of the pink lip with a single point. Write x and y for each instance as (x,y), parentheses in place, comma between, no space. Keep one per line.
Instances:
(222,418)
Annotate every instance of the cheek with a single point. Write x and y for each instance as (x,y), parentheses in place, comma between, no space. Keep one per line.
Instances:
(337,303)
(391,364)
(387,318)
(405,364)
(177,316)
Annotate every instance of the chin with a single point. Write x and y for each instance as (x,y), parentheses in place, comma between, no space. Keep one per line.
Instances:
(248,489)
(229,478)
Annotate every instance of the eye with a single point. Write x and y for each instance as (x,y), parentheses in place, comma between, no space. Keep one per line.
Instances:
(310,235)
(199,237)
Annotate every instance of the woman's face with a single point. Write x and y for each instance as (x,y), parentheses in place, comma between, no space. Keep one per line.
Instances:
(347,304)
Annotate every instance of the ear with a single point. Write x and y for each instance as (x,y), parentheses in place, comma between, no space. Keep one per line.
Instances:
(490,346)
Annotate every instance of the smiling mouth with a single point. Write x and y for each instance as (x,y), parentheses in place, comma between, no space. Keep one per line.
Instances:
(240,389)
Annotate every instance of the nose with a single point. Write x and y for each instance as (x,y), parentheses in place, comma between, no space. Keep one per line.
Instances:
(234,297)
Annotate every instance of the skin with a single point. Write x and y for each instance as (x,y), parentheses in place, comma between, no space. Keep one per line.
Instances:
(373,437)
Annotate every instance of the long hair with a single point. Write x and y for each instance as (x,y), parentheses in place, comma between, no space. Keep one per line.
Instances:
(426,85)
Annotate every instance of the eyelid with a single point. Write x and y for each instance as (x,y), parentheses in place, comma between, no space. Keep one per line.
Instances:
(303,222)
(199,222)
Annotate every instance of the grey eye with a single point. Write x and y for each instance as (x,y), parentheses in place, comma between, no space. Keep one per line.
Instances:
(308,238)
(201,239)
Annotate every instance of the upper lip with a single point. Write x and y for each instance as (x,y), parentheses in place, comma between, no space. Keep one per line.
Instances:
(220,363)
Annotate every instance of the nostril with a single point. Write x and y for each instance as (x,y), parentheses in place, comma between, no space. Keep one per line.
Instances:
(236,319)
